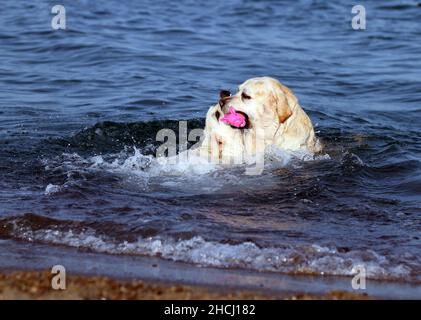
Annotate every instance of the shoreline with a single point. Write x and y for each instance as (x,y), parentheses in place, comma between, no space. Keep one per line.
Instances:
(25,265)
(36,285)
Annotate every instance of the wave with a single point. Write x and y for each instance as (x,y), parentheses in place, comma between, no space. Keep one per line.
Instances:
(291,259)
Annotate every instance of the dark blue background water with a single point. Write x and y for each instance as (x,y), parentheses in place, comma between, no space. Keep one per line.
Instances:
(140,62)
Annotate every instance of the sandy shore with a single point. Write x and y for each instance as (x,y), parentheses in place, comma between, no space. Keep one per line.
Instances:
(37,285)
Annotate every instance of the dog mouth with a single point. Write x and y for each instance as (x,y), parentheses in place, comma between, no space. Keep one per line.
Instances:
(246,117)
(245,125)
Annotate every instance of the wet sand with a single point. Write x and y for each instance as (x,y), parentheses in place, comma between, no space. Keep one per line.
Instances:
(37,285)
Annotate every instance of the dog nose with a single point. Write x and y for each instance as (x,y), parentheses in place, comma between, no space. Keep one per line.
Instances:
(223,97)
(224,94)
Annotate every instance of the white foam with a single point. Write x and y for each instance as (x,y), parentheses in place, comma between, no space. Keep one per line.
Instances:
(299,259)
(192,174)
(141,164)
(51,189)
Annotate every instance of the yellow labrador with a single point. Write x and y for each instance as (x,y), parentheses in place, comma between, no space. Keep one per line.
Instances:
(273,117)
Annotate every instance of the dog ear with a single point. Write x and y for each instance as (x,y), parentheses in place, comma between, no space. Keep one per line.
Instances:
(285,101)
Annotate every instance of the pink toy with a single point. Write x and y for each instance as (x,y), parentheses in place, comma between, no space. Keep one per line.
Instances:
(233,118)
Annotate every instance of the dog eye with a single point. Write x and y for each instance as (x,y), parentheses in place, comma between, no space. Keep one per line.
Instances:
(245,96)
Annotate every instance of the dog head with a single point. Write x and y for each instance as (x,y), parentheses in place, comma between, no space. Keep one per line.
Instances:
(266,105)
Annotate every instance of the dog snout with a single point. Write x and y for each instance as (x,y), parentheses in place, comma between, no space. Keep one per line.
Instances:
(224,96)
